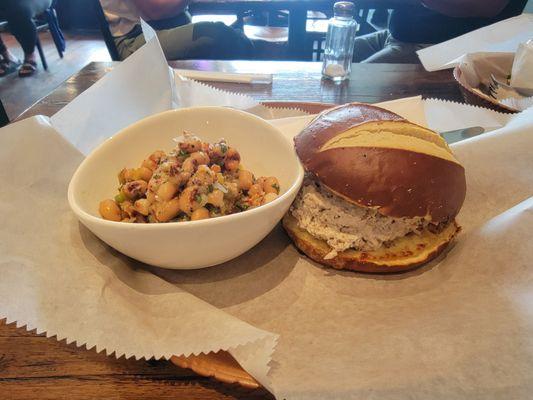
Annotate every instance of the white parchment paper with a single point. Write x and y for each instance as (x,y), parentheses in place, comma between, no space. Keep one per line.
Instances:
(503,36)
(460,329)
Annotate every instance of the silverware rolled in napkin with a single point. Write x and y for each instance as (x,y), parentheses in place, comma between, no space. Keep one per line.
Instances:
(231,77)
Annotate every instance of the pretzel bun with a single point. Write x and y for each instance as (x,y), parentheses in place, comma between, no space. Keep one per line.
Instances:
(373,158)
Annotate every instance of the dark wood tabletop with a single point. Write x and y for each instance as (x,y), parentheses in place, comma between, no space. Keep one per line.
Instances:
(293,81)
(33,366)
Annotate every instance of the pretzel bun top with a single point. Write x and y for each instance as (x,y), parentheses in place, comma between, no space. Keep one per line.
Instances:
(374,158)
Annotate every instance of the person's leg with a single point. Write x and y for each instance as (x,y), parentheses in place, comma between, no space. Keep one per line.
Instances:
(205,40)
(367,45)
(397,52)
(8,62)
(20,14)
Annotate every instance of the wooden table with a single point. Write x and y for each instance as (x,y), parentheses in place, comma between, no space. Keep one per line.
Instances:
(33,366)
(293,81)
(297,14)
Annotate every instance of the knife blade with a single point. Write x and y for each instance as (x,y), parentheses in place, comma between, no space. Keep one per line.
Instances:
(462,134)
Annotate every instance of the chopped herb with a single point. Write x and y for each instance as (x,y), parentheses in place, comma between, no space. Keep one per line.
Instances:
(210,188)
(157,176)
(183,153)
(198,198)
(223,147)
(242,207)
(276,186)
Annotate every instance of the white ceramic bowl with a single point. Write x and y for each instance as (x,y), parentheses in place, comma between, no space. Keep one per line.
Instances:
(196,244)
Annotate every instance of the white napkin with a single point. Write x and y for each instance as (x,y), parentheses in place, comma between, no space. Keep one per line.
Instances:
(503,36)
(216,76)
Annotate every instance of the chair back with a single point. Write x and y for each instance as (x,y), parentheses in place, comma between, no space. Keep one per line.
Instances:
(4,120)
(106,33)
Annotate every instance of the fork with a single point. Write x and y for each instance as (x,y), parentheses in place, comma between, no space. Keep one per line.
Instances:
(499,90)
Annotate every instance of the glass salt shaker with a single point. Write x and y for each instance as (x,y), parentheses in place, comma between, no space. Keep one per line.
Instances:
(340,40)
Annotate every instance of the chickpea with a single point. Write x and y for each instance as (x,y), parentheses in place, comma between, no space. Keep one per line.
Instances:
(232,160)
(255,190)
(269,197)
(134,190)
(216,198)
(246,179)
(110,210)
(167,210)
(166,191)
(200,213)
(188,200)
(142,206)
(271,185)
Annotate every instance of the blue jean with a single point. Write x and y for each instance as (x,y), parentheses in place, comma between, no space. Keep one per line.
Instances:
(19,14)
(381,47)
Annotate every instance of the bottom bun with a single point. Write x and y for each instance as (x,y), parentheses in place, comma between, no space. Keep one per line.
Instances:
(404,254)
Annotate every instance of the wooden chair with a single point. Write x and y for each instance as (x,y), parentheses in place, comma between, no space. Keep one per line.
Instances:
(106,33)
(47,21)
(4,119)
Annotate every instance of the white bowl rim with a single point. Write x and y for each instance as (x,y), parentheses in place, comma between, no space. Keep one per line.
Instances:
(173,225)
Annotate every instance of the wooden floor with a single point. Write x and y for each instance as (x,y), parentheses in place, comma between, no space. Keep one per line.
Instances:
(18,94)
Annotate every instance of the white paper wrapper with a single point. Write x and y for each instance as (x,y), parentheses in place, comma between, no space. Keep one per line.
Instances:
(503,36)
(461,329)
(522,71)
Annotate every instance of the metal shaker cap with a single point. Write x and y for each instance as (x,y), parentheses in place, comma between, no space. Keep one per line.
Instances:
(344,9)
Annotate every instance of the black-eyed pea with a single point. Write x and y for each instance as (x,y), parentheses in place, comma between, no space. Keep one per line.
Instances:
(271,185)
(150,197)
(246,179)
(150,164)
(189,199)
(166,191)
(216,198)
(110,210)
(142,206)
(135,189)
(165,211)
(144,173)
(121,177)
(255,190)
(128,175)
(269,197)
(200,213)
(232,160)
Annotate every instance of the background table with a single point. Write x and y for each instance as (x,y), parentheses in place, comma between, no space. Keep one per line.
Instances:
(33,366)
(297,13)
